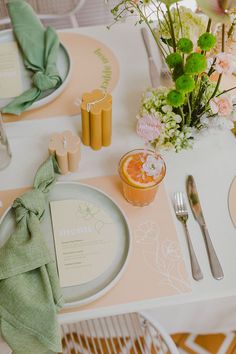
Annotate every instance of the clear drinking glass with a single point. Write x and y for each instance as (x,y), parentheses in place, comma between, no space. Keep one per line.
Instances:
(5,152)
(143,194)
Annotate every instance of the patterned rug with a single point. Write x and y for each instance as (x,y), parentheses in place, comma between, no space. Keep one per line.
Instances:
(206,344)
(186,344)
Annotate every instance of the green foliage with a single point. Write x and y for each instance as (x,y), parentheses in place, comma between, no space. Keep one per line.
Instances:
(185,83)
(175,98)
(206,41)
(174,60)
(177,72)
(185,45)
(196,63)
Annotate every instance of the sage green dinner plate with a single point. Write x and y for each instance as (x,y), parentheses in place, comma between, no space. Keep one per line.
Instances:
(90,291)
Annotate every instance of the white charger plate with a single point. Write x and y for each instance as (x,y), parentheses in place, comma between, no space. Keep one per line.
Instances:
(90,291)
(231,201)
(63,65)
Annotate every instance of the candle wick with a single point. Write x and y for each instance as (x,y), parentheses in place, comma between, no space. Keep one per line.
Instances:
(89,104)
(64,143)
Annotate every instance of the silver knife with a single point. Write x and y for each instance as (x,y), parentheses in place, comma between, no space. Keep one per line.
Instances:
(194,201)
(153,71)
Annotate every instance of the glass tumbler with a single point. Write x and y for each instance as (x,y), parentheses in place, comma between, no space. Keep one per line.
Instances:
(143,194)
(5,152)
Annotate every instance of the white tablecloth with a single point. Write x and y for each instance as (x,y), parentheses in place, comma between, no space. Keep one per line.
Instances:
(211,305)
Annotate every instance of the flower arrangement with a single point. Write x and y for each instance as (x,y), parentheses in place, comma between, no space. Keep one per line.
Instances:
(197,60)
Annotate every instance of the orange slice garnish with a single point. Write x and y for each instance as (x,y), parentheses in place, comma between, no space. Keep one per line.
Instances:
(133,172)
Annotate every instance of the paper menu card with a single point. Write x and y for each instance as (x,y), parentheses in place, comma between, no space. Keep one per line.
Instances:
(10,76)
(85,240)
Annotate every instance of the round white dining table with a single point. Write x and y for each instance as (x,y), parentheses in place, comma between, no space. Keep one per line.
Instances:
(211,305)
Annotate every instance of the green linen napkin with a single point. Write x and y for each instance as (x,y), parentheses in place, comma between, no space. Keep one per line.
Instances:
(39,48)
(30,295)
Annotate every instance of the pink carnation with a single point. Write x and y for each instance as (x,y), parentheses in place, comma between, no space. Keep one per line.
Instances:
(149,128)
(224,63)
(221,105)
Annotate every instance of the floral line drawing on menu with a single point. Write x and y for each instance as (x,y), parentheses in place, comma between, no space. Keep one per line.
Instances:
(162,256)
(89,211)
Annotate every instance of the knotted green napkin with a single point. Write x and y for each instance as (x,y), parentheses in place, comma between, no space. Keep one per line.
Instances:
(30,295)
(39,48)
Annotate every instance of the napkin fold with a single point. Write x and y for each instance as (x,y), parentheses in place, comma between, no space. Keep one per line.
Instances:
(39,47)
(30,295)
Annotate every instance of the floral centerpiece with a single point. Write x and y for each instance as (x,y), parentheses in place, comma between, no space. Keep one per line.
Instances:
(193,46)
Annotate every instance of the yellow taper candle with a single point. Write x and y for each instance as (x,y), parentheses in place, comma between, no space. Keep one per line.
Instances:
(96,112)
(66,148)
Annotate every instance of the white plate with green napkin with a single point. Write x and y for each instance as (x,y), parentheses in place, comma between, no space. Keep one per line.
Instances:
(64,69)
(92,290)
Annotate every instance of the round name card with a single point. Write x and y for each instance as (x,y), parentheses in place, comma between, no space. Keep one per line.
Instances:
(85,240)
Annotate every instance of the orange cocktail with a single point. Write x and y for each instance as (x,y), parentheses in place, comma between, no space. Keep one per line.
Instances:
(141,172)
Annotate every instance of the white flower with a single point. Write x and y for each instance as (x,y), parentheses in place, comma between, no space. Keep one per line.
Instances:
(166,108)
(222,105)
(152,166)
(177,118)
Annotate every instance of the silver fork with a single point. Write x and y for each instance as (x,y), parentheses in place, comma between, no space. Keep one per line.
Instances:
(182,215)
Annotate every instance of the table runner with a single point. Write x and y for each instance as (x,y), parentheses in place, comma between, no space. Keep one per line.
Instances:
(156,249)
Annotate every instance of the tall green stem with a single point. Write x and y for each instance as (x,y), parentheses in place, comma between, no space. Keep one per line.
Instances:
(151,30)
(209,25)
(171,28)
(189,117)
(220,76)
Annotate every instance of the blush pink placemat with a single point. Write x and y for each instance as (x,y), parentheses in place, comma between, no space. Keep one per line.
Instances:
(94,65)
(156,267)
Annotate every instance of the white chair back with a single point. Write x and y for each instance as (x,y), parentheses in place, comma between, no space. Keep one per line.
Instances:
(128,333)
(48,10)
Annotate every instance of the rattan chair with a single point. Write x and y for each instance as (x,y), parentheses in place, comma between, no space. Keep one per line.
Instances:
(53,11)
(66,13)
(124,334)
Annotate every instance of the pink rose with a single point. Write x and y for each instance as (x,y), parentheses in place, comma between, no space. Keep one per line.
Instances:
(149,128)
(215,9)
(221,105)
(224,63)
